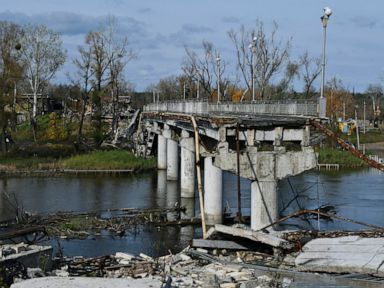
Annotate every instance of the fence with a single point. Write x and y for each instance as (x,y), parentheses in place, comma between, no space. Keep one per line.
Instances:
(293,107)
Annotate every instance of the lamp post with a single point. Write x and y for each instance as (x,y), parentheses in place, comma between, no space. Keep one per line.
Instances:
(218,78)
(322,100)
(252,46)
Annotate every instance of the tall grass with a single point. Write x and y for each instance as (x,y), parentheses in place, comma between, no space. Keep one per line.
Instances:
(338,156)
(108,160)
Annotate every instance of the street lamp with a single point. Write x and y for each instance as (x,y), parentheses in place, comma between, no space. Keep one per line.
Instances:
(252,46)
(218,78)
(322,100)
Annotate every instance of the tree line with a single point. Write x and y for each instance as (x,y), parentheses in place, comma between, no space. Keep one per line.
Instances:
(31,55)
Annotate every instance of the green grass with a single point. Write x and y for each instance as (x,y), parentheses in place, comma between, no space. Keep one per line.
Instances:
(30,163)
(108,160)
(338,156)
(372,136)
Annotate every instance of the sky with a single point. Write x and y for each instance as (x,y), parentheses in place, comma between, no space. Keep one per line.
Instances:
(159,30)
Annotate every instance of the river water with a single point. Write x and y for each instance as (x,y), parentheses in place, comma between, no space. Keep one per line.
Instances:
(356,194)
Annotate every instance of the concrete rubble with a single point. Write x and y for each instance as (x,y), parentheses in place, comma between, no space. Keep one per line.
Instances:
(352,254)
(30,256)
(216,262)
(185,269)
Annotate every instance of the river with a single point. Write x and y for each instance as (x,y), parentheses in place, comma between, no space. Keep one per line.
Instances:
(357,194)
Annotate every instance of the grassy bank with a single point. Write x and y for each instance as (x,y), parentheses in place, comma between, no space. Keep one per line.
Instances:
(338,156)
(106,160)
(97,160)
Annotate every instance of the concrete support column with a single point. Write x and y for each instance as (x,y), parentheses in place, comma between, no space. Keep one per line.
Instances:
(264,203)
(213,193)
(172,199)
(172,154)
(161,152)
(187,170)
(172,160)
(161,194)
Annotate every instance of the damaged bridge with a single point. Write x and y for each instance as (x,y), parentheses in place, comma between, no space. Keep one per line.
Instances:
(263,142)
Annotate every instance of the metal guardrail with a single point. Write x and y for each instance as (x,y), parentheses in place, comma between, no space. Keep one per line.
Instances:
(203,107)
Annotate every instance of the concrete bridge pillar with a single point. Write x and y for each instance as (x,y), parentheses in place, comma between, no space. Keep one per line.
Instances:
(161,188)
(187,170)
(213,193)
(172,199)
(161,152)
(264,203)
(172,155)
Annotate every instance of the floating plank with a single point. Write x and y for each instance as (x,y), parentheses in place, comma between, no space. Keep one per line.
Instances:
(217,244)
(352,254)
(257,236)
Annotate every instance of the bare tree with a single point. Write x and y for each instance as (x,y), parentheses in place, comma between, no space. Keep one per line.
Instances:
(102,63)
(311,68)
(204,69)
(42,56)
(84,76)
(376,91)
(118,54)
(10,74)
(285,84)
(267,59)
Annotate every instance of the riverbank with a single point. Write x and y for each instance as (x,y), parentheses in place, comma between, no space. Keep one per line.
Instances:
(113,162)
(343,158)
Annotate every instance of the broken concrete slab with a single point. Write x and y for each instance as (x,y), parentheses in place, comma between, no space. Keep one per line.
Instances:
(257,236)
(31,256)
(218,244)
(351,254)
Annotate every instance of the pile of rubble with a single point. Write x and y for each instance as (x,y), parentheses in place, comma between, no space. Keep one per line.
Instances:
(236,257)
(189,268)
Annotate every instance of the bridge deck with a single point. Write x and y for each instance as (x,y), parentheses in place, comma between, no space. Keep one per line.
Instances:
(227,119)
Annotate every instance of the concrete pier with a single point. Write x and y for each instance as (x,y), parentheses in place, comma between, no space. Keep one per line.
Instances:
(172,160)
(187,167)
(172,199)
(189,205)
(264,203)
(161,192)
(213,193)
(161,152)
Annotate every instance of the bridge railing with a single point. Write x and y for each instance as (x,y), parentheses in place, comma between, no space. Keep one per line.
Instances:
(285,107)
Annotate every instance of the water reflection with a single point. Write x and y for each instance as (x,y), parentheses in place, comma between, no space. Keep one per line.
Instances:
(356,194)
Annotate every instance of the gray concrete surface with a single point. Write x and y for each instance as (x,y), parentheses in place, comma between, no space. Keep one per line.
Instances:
(86,282)
(351,254)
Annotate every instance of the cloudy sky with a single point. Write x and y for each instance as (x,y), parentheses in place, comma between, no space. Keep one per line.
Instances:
(159,30)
